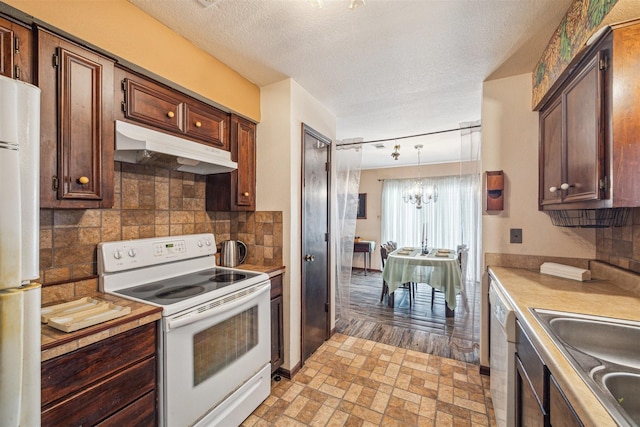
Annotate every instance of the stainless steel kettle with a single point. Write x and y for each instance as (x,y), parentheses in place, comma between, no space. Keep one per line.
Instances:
(232,253)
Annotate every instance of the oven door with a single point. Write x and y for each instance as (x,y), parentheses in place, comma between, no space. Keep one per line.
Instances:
(212,350)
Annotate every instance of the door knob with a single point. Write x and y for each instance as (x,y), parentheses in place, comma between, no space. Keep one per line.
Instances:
(309,258)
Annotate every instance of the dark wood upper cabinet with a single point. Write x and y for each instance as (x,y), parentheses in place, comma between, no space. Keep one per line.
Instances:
(235,191)
(16,54)
(77,127)
(590,127)
(150,103)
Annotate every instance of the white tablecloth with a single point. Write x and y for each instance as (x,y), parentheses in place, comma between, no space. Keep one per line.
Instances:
(442,273)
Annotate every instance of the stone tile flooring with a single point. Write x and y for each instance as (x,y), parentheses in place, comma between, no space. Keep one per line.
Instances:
(356,382)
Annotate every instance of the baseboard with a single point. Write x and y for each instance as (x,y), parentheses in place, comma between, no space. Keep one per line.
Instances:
(485,370)
(288,374)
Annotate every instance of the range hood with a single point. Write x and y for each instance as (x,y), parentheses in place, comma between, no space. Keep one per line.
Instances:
(137,144)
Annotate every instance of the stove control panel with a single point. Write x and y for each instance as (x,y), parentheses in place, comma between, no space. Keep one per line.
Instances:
(132,254)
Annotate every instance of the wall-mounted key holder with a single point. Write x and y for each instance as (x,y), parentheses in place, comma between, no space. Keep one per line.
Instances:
(495,190)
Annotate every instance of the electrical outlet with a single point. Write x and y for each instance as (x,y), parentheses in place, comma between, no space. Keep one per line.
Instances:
(515,235)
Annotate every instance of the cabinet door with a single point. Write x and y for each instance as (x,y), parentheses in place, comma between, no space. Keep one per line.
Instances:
(77,129)
(277,353)
(207,124)
(529,412)
(551,154)
(584,145)
(154,105)
(15,51)
(243,139)
(560,411)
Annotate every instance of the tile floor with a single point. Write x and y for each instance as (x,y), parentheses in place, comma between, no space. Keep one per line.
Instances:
(352,381)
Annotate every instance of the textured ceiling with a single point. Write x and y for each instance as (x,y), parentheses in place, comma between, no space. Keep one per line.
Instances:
(391,68)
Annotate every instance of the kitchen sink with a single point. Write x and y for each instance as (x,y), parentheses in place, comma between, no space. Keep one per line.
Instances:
(603,340)
(605,352)
(625,388)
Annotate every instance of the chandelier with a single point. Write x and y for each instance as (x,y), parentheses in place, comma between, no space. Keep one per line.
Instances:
(416,192)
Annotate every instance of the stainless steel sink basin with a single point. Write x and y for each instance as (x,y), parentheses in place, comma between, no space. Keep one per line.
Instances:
(605,352)
(625,388)
(614,342)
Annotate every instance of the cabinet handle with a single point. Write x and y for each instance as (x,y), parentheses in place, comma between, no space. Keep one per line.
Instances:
(198,124)
(171,114)
(564,186)
(245,194)
(83,180)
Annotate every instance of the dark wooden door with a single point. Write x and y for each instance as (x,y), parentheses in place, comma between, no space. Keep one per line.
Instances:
(584,133)
(315,240)
(77,128)
(551,154)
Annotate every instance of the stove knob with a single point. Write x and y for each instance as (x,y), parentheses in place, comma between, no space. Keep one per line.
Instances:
(132,253)
(199,243)
(117,254)
(208,241)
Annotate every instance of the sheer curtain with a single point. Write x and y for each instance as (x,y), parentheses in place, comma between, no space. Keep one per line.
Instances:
(348,160)
(451,221)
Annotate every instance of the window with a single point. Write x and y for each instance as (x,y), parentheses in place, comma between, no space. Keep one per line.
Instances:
(453,220)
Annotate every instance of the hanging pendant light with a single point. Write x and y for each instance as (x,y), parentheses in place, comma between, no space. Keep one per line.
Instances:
(416,193)
(396,154)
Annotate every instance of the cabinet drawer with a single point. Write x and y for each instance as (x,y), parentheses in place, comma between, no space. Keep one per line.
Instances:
(532,365)
(153,105)
(101,400)
(72,372)
(141,413)
(276,286)
(209,125)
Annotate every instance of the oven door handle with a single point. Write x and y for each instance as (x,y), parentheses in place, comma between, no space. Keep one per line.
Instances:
(229,302)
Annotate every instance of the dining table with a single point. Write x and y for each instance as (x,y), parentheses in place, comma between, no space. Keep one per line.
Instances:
(439,268)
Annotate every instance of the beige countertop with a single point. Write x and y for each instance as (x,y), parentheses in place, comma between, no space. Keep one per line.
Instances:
(530,289)
(271,270)
(56,343)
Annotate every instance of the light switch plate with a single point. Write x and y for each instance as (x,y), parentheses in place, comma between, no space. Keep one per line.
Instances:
(515,235)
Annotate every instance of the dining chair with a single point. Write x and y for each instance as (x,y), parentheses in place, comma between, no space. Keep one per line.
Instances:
(385,249)
(463,255)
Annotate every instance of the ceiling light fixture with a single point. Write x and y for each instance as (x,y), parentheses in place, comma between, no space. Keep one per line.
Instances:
(396,154)
(353,4)
(416,193)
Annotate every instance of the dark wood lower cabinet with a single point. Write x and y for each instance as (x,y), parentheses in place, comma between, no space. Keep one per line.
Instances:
(277,335)
(562,414)
(103,383)
(529,412)
(532,384)
(539,400)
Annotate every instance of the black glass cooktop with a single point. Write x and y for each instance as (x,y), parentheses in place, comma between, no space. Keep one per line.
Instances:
(180,288)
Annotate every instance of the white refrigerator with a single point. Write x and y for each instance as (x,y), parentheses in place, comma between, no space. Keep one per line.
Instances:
(19,253)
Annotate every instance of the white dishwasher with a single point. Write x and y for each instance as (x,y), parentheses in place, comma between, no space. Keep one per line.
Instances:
(502,357)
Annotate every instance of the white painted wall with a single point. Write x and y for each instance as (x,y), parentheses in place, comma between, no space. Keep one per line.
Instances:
(510,143)
(285,106)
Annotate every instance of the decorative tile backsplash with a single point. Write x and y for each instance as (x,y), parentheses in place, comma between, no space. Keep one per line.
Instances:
(148,202)
(620,246)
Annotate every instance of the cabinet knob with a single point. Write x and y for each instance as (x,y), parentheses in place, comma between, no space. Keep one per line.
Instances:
(171,114)
(83,180)
(553,189)
(565,186)
(245,194)
(198,124)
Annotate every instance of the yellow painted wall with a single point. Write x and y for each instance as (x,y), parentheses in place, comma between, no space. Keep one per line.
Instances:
(127,32)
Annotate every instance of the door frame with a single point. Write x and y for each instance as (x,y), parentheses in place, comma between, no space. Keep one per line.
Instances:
(307,130)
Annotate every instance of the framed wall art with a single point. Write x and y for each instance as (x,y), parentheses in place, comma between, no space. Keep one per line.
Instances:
(362,206)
